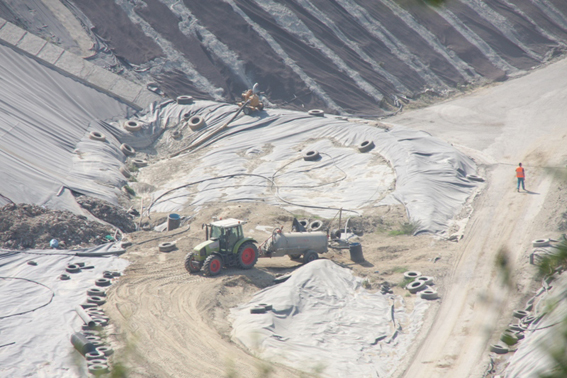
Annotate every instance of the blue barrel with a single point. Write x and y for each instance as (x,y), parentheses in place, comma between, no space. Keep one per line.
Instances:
(173,221)
(356,252)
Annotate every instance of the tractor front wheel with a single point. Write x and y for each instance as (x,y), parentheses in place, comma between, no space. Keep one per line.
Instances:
(212,265)
(191,263)
(247,255)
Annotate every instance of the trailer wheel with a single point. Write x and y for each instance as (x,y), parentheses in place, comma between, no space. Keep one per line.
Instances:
(212,265)
(310,256)
(191,264)
(247,255)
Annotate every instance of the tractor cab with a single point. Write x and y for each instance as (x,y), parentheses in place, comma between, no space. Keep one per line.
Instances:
(226,232)
(225,245)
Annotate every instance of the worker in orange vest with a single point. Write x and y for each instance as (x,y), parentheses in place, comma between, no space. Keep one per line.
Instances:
(521,175)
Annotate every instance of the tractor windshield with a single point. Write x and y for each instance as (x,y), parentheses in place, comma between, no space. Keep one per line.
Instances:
(216,232)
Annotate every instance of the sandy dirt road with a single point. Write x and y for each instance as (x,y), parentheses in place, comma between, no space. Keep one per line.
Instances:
(522,120)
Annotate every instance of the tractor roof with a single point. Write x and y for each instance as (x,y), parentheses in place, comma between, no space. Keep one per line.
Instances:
(227,223)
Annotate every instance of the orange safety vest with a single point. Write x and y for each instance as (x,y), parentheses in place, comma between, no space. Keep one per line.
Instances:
(520,172)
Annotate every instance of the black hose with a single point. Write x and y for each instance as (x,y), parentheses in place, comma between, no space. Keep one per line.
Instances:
(38,307)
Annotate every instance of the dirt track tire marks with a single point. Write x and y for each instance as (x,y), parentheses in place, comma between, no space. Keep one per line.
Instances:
(174,330)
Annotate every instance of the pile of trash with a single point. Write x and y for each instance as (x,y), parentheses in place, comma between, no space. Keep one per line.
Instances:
(24,226)
(107,212)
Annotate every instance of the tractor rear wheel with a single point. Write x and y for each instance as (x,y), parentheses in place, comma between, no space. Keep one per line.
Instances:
(212,265)
(247,255)
(191,263)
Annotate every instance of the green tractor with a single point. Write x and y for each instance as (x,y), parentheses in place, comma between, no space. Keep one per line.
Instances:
(225,246)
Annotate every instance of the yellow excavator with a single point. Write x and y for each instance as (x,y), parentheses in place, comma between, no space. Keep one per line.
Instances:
(251,101)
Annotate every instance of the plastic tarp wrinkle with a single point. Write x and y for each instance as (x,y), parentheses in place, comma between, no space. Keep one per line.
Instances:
(429,174)
(323,319)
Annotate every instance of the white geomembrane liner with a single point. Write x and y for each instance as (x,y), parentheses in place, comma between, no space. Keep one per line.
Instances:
(37,316)
(323,318)
(265,150)
(544,336)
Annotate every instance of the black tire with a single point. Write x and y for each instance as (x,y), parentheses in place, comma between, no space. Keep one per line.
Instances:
(316,225)
(95,291)
(540,243)
(132,125)
(102,282)
(140,163)
(213,265)
(196,123)
(520,314)
(192,265)
(176,134)
(106,350)
(94,355)
(101,361)
(127,149)
(73,268)
(184,100)
(426,280)
(247,255)
(316,112)
(366,146)
(310,256)
(509,338)
(415,286)
(498,349)
(166,247)
(98,369)
(412,274)
(64,277)
(98,136)
(311,155)
(97,300)
(125,172)
(429,294)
